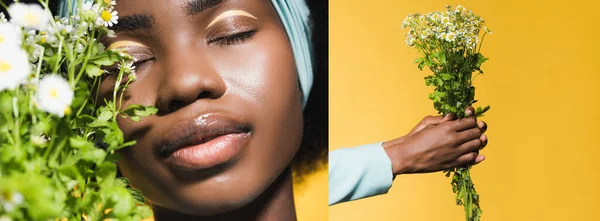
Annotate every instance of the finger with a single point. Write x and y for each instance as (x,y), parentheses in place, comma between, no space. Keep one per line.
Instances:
(482,125)
(432,120)
(484,141)
(468,135)
(464,124)
(470,146)
(479,159)
(448,117)
(470,111)
(466,159)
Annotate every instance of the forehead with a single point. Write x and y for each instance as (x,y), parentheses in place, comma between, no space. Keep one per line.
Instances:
(184,7)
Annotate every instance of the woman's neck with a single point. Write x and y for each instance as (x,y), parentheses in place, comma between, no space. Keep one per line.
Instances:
(274,204)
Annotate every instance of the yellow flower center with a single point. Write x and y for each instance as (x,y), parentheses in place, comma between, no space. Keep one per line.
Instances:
(5,66)
(31,19)
(1,39)
(53,93)
(107,1)
(68,110)
(7,196)
(105,15)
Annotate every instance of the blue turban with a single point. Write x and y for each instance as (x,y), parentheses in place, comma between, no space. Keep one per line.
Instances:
(294,15)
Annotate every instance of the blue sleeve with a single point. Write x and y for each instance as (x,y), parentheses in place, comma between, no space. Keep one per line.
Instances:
(358,172)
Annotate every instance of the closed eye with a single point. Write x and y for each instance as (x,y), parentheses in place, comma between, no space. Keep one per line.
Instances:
(237,38)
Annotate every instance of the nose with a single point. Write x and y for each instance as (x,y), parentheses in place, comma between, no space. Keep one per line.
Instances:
(187,78)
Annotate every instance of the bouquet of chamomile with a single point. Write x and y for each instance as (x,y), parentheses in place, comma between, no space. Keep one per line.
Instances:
(449,43)
(57,137)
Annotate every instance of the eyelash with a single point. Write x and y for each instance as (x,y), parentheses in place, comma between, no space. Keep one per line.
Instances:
(113,72)
(237,38)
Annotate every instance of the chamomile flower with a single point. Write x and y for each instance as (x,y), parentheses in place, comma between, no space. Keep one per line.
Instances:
(451,36)
(9,35)
(127,67)
(435,17)
(459,9)
(54,95)
(64,28)
(486,29)
(90,7)
(108,18)
(29,16)
(14,68)
(405,22)
(37,51)
(110,2)
(445,20)
(3,18)
(410,39)
(442,35)
(10,200)
(39,141)
(111,33)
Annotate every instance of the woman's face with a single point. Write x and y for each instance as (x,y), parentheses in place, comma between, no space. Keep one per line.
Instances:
(222,74)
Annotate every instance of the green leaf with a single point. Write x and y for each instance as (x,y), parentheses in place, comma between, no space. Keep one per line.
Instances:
(480,59)
(137,195)
(479,112)
(79,142)
(104,60)
(135,111)
(121,199)
(446,77)
(93,154)
(106,171)
(93,70)
(6,102)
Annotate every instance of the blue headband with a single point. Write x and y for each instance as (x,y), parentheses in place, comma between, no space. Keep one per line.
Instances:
(294,15)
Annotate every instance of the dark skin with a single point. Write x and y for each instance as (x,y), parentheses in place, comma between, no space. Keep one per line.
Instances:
(241,67)
(438,143)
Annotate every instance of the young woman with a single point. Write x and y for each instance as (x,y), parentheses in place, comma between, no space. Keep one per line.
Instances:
(231,80)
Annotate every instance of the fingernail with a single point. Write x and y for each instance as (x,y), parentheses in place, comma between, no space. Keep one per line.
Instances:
(480,158)
(484,138)
(469,112)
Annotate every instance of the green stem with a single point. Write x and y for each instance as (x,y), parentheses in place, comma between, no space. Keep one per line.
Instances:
(17,121)
(481,43)
(3,5)
(87,57)
(57,64)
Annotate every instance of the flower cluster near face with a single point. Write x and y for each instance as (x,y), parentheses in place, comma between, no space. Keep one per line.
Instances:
(57,136)
(458,29)
(39,31)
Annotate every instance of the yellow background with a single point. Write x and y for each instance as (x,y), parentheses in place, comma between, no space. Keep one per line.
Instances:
(310,194)
(543,159)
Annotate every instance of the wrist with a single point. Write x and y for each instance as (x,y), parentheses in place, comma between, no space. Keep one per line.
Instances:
(393,151)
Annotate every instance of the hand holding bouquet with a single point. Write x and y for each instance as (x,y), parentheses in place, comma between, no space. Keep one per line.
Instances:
(450,43)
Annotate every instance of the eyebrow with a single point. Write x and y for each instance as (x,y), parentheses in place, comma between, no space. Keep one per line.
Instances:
(144,21)
(133,22)
(194,7)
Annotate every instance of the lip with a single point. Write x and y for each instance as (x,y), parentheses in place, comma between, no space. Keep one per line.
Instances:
(204,142)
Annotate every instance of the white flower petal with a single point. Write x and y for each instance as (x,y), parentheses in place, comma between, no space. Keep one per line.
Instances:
(9,36)
(14,68)
(54,95)
(29,16)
